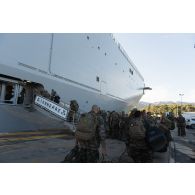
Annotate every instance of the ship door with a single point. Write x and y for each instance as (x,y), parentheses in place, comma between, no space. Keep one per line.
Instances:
(9,92)
(103,87)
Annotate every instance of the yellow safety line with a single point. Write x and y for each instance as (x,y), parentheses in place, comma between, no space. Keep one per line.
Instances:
(29,138)
(33,132)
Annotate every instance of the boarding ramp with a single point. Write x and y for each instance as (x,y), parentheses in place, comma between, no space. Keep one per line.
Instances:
(17,118)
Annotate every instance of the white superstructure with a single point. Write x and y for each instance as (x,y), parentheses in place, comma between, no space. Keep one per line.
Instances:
(91,68)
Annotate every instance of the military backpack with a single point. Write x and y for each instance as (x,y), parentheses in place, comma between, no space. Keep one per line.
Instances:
(136,130)
(86,129)
(155,138)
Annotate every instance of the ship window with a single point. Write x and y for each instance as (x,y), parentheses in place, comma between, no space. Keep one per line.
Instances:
(97,79)
(99,47)
(105,53)
(88,37)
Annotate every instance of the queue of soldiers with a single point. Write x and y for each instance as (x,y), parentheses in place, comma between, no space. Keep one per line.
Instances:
(94,127)
(97,125)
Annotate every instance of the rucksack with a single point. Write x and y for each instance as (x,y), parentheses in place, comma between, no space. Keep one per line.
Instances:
(136,131)
(155,138)
(86,128)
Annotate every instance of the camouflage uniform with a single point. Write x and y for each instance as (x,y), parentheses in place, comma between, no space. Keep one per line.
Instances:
(181,125)
(172,119)
(165,126)
(89,150)
(103,114)
(73,112)
(136,145)
(107,124)
(123,126)
(114,125)
(53,94)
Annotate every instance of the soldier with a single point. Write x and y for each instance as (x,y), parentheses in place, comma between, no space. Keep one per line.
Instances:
(90,135)
(53,94)
(181,125)
(172,119)
(73,112)
(29,96)
(123,126)
(103,114)
(108,124)
(136,143)
(114,125)
(165,126)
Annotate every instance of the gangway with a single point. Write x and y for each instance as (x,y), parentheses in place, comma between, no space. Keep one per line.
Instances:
(58,110)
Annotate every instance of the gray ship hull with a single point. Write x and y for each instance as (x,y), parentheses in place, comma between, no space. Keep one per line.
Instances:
(111,83)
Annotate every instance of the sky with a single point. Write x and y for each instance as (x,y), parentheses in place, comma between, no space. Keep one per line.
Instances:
(166,61)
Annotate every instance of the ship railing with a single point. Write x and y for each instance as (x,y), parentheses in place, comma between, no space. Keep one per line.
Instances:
(61,110)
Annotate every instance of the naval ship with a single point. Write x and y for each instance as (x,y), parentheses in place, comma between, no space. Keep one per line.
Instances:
(91,68)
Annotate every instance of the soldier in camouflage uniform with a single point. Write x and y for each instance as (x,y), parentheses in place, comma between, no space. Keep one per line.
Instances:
(123,126)
(103,114)
(165,125)
(181,125)
(136,144)
(73,112)
(172,119)
(114,125)
(89,150)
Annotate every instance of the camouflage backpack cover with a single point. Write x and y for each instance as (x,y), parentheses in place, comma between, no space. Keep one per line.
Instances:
(86,129)
(136,130)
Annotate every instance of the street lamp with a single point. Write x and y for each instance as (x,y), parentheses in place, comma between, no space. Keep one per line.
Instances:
(181,95)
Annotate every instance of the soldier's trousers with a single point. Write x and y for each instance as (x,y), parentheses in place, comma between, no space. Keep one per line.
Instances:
(181,131)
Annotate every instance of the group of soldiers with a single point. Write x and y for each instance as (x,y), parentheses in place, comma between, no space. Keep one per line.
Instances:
(94,127)
(97,125)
